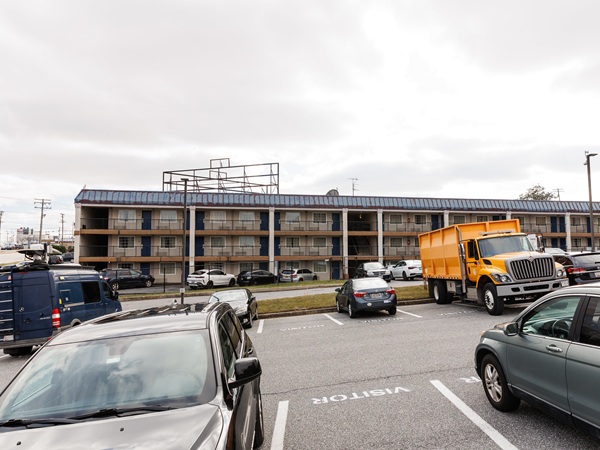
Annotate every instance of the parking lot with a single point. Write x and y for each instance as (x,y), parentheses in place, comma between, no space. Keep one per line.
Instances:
(385,382)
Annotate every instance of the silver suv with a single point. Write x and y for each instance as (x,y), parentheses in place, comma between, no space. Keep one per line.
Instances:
(297,275)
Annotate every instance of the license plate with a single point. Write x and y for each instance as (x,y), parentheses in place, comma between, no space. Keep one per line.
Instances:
(377,295)
(9,337)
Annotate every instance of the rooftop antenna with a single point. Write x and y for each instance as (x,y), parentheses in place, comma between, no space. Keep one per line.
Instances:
(354,180)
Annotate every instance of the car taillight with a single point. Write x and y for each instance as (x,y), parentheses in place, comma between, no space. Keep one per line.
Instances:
(55,318)
(294,275)
(575,270)
(359,294)
(390,292)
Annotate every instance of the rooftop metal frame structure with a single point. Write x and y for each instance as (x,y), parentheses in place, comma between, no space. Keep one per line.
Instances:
(222,177)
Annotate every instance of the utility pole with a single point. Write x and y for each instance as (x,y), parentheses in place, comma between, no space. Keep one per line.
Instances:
(62,228)
(558,191)
(354,180)
(42,203)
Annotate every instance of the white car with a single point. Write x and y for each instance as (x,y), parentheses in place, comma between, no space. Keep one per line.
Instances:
(297,275)
(406,269)
(209,278)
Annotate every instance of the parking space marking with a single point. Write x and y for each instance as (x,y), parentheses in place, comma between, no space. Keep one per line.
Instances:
(260,326)
(500,440)
(333,320)
(409,314)
(280,421)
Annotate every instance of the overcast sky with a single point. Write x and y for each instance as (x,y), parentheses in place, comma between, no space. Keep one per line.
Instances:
(424,98)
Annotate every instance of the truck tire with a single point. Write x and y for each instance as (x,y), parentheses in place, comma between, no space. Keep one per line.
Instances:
(493,304)
(440,293)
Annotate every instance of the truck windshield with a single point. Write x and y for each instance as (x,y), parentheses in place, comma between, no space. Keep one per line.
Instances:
(504,244)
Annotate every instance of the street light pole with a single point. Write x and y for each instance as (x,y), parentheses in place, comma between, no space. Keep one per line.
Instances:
(182,290)
(588,155)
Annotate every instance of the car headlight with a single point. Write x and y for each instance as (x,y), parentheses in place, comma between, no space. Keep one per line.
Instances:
(502,278)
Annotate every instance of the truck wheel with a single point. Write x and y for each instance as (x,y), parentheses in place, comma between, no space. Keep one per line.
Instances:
(493,304)
(440,292)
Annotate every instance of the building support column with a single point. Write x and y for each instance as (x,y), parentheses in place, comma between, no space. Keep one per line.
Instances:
(272,265)
(345,271)
(568,230)
(380,236)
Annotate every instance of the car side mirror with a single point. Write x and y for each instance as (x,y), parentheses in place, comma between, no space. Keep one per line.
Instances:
(511,329)
(246,370)
(337,289)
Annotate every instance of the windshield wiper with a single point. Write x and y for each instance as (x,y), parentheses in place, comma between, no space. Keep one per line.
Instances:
(45,421)
(118,412)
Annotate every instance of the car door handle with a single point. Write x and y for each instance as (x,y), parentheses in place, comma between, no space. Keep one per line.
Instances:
(554,349)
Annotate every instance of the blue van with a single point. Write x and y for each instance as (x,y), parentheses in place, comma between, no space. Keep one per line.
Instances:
(38,300)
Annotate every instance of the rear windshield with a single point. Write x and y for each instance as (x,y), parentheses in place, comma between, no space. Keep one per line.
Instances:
(587,260)
(370,283)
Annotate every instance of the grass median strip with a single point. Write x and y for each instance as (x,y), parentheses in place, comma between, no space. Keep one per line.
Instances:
(316,301)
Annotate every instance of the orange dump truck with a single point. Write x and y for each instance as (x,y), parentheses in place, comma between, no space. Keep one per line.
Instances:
(486,262)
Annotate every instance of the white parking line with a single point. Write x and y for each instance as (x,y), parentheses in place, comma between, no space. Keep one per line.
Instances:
(474,417)
(410,314)
(260,326)
(333,320)
(279,431)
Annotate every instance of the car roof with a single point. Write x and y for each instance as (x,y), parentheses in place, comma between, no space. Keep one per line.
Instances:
(171,318)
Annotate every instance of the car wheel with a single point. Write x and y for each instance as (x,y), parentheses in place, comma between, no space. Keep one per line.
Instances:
(493,304)
(337,306)
(351,311)
(232,282)
(300,279)
(259,427)
(19,351)
(193,287)
(392,311)
(404,276)
(256,314)
(148,283)
(114,286)
(210,284)
(495,386)
(249,323)
(315,278)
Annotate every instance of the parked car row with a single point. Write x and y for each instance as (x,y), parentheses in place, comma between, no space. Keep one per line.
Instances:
(204,278)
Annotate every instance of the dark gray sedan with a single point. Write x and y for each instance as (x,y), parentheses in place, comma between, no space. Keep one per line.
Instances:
(365,294)
(548,356)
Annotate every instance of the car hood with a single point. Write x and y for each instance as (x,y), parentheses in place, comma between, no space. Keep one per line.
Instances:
(186,428)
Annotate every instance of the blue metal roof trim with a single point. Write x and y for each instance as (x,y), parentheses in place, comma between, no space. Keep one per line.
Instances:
(150,198)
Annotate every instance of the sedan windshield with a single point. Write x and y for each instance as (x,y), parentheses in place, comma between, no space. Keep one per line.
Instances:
(167,370)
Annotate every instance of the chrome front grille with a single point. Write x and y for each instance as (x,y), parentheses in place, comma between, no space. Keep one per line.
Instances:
(534,268)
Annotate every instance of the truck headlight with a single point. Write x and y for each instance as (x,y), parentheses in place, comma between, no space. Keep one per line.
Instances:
(502,278)
(560,273)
